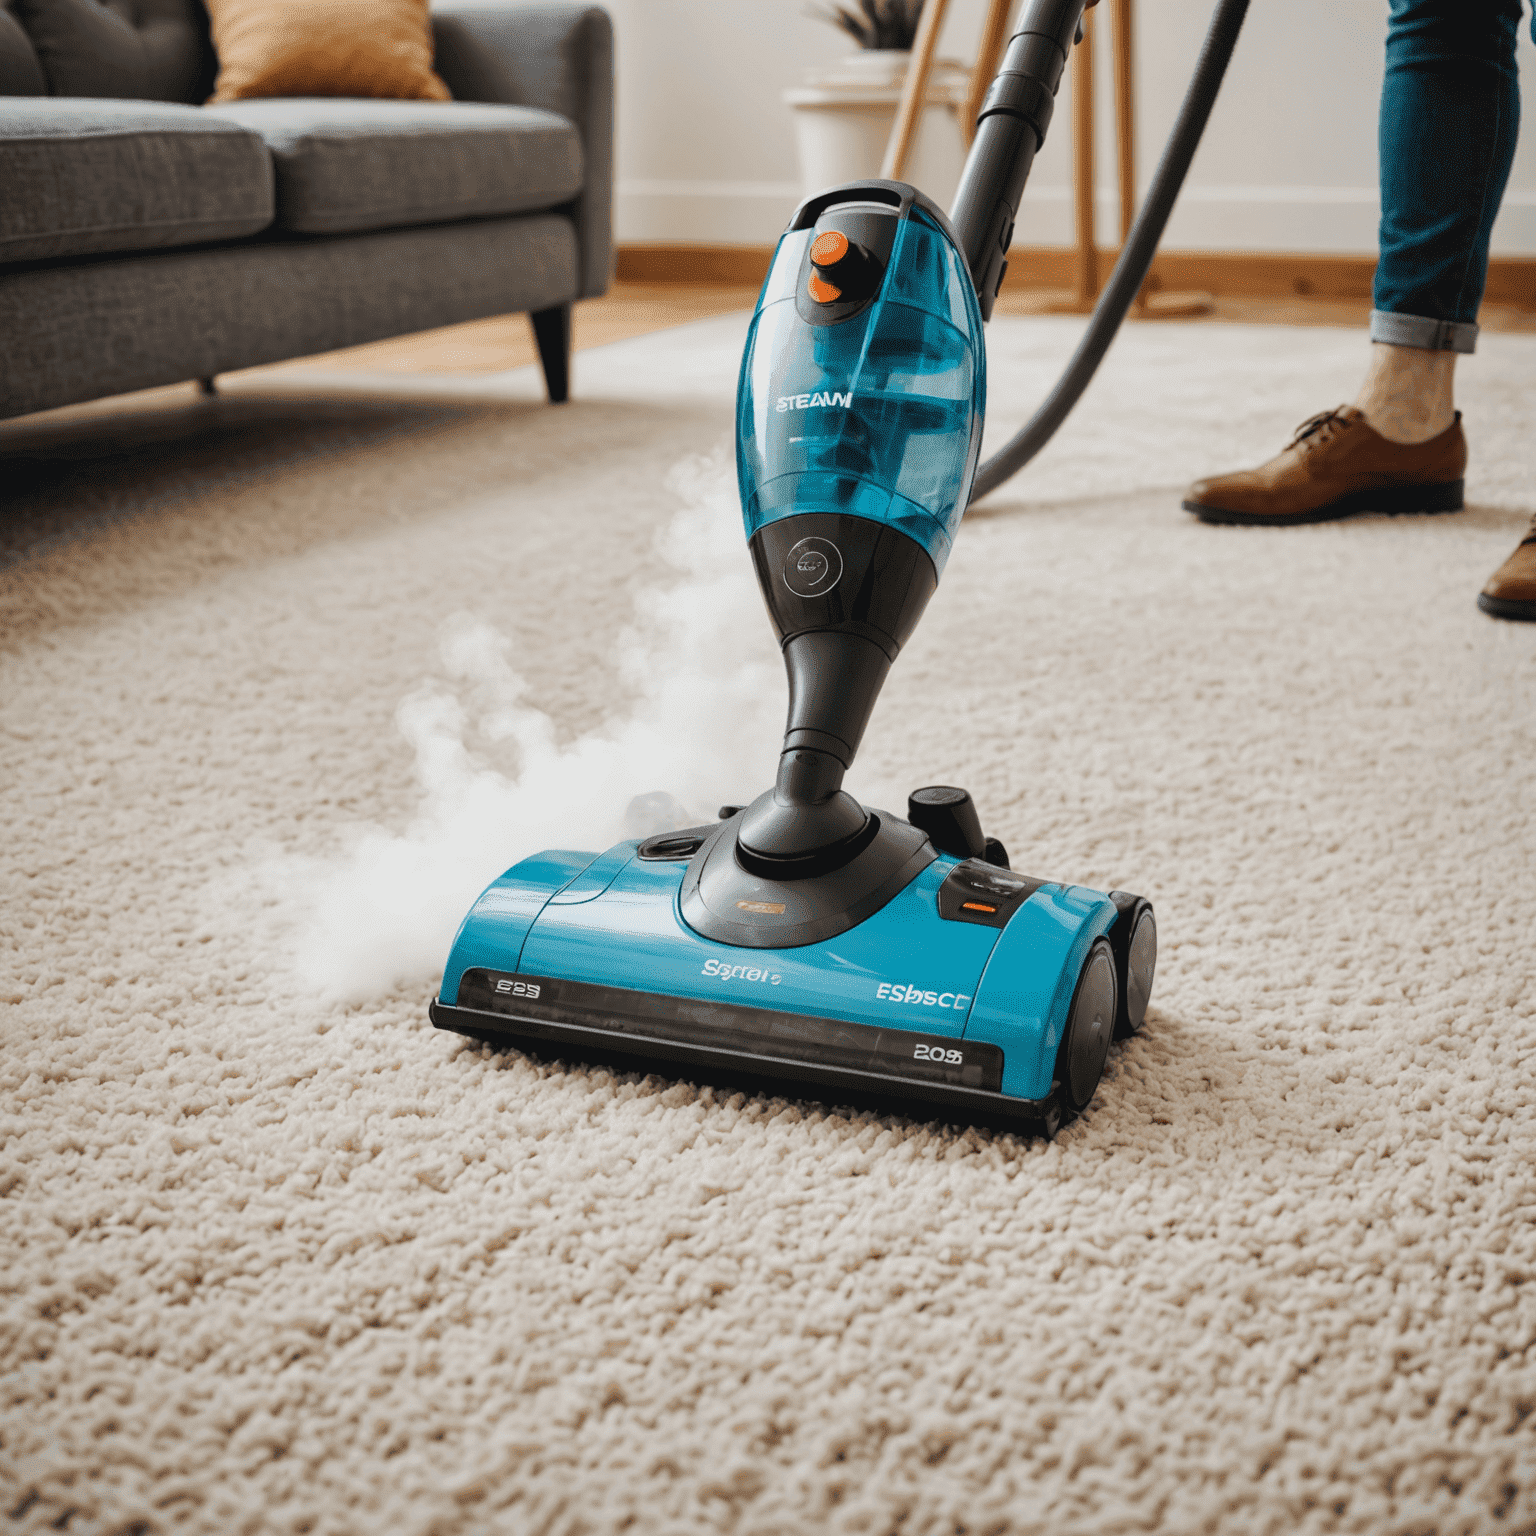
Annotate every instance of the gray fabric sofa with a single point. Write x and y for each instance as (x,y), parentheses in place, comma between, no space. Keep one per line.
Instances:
(146,240)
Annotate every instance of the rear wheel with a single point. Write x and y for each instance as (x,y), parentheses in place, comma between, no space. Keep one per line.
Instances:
(1133,939)
(1090,1027)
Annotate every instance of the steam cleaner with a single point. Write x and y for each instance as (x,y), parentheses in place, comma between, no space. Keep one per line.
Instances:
(806,940)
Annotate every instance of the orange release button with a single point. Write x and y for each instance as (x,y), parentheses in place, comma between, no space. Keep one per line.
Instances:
(821,290)
(829,248)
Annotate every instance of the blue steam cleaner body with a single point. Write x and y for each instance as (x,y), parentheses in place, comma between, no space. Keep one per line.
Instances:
(807,940)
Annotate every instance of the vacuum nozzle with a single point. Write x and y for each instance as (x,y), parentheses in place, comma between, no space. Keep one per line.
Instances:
(834,679)
(807,823)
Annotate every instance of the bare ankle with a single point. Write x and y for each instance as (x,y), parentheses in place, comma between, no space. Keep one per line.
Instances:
(1408,394)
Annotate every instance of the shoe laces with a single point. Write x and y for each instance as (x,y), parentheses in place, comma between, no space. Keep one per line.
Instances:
(1319,429)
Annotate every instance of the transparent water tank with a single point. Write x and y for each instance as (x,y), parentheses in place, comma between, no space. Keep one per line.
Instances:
(879,415)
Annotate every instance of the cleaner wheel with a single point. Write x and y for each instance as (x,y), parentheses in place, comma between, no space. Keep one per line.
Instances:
(1090,1026)
(1133,938)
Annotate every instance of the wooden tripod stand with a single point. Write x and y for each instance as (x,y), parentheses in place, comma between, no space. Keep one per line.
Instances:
(994,39)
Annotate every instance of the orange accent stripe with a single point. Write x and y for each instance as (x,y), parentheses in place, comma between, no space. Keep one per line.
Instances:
(977,906)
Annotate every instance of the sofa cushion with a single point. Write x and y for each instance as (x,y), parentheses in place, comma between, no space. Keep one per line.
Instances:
(20,72)
(85,176)
(79,330)
(139,50)
(324,48)
(345,165)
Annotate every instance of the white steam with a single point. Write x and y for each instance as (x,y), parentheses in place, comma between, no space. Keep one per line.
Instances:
(702,724)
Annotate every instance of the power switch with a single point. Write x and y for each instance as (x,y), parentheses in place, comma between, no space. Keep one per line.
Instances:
(975,892)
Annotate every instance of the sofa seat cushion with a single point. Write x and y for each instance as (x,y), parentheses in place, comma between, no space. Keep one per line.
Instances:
(83,176)
(347,164)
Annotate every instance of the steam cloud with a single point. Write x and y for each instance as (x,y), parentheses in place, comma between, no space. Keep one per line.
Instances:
(703,723)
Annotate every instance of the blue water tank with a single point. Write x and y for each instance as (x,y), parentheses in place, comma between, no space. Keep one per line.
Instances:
(877,415)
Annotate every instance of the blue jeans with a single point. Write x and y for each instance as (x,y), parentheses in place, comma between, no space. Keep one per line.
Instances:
(1450,113)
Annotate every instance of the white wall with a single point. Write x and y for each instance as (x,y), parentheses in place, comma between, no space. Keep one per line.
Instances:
(706,146)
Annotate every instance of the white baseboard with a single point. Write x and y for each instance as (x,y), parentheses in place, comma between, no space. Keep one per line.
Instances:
(1337,220)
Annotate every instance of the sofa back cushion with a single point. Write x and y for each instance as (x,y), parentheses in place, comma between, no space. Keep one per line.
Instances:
(347,166)
(20,73)
(135,50)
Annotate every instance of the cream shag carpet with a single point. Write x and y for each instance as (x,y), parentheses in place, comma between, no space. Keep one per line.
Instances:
(285,676)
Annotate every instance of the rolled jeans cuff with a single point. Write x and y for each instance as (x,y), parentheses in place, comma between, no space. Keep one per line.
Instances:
(1420,331)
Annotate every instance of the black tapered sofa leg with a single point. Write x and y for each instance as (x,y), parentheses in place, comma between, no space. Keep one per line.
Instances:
(552,331)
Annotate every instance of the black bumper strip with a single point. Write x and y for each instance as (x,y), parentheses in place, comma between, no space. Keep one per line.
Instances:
(648,1027)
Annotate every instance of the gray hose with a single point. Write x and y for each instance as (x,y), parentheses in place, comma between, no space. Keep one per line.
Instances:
(1135,258)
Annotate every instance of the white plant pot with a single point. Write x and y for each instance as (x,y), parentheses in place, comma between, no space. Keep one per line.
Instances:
(843,118)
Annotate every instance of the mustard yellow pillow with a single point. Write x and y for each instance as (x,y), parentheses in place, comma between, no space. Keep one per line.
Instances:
(324,48)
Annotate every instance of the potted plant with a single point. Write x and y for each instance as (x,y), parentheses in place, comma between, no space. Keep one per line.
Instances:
(844,111)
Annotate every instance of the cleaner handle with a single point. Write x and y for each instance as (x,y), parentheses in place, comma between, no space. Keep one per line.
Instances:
(1009,132)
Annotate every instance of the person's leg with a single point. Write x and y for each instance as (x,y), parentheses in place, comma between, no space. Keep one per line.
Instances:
(1450,114)
(1408,395)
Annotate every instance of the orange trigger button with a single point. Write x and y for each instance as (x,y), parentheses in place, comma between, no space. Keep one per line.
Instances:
(828,247)
(821,290)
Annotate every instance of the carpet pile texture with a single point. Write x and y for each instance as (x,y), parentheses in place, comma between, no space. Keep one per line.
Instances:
(283,675)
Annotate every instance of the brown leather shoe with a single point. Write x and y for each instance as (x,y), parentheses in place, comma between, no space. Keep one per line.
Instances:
(1336,466)
(1511,590)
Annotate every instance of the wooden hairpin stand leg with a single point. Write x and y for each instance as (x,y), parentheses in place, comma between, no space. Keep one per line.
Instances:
(989,55)
(1084,292)
(1085,271)
(1150,304)
(914,90)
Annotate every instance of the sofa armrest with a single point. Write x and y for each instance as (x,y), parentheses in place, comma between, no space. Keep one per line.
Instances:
(552,55)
